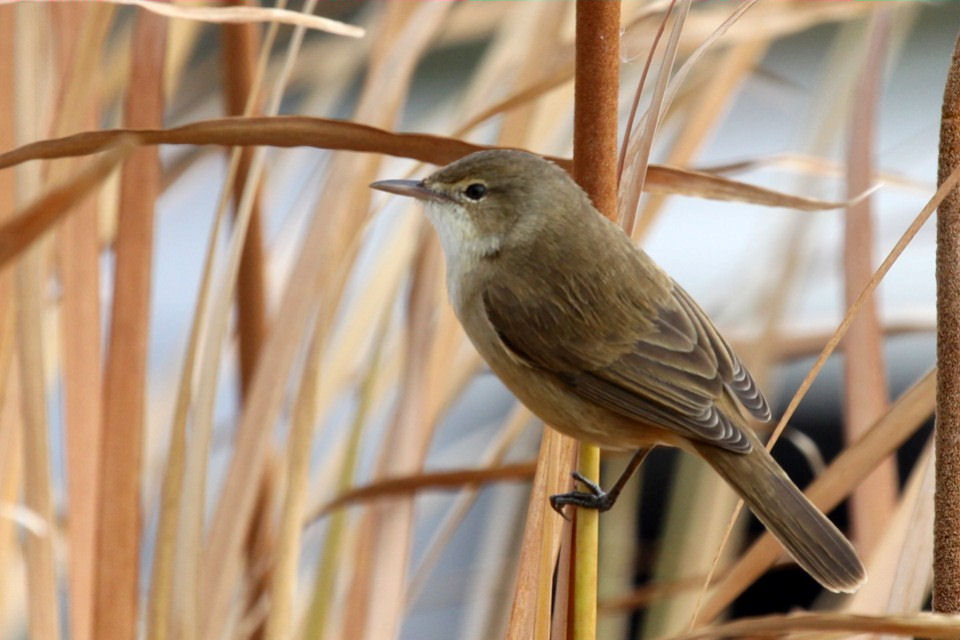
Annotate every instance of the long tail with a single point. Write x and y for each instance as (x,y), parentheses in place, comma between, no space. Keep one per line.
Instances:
(804,531)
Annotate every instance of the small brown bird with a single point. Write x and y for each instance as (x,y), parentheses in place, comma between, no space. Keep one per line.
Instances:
(602,344)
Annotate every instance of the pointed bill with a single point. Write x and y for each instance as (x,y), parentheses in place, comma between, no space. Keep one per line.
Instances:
(411,188)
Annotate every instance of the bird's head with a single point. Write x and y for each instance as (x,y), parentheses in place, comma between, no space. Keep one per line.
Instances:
(490,200)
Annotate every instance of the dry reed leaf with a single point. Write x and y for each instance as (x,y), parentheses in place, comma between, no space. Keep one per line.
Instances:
(531,32)
(513,426)
(405,33)
(952,180)
(692,537)
(527,94)
(258,529)
(391,369)
(12,593)
(8,137)
(927,625)
(770,19)
(650,592)
(37,487)
(115,66)
(427,481)
(638,92)
(404,449)
(471,21)
(22,228)
(449,375)
(563,616)
(901,564)
(710,107)
(11,448)
(506,65)
(637,157)
(183,467)
(316,270)
(530,612)
(277,551)
(377,611)
(316,623)
(79,31)
(29,276)
(341,365)
(249,613)
(905,416)
(795,343)
(948,184)
(914,570)
(361,581)
(183,37)
(116,583)
(242,84)
(671,180)
(865,380)
(244,15)
(296,131)
(187,467)
(811,165)
(278,131)
(283,575)
(839,72)
(338,61)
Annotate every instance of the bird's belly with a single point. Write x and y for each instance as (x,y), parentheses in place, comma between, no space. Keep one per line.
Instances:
(545,395)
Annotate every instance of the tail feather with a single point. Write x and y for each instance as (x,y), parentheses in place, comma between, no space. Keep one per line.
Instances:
(813,541)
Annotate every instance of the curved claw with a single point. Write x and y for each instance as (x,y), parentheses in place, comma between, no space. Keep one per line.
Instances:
(557,503)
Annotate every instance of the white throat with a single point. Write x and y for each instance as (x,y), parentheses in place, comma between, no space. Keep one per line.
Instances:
(463,245)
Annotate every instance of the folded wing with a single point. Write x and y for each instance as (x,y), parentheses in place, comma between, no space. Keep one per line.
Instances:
(662,363)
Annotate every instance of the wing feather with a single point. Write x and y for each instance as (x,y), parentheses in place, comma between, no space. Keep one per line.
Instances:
(668,369)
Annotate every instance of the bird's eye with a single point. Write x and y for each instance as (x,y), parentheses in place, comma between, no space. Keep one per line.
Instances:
(475,191)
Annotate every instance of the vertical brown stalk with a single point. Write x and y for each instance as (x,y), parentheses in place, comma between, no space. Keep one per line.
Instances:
(239,57)
(946,529)
(597,85)
(118,535)
(79,30)
(11,459)
(37,492)
(38,552)
(865,379)
(595,102)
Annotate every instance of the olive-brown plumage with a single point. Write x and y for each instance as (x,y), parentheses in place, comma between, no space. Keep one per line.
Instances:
(600,343)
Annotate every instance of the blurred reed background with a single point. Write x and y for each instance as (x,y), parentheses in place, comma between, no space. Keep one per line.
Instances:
(234,402)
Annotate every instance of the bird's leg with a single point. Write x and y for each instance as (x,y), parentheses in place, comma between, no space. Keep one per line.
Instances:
(595,497)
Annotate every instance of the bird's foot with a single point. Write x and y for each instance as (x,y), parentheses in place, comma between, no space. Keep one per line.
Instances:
(594,498)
